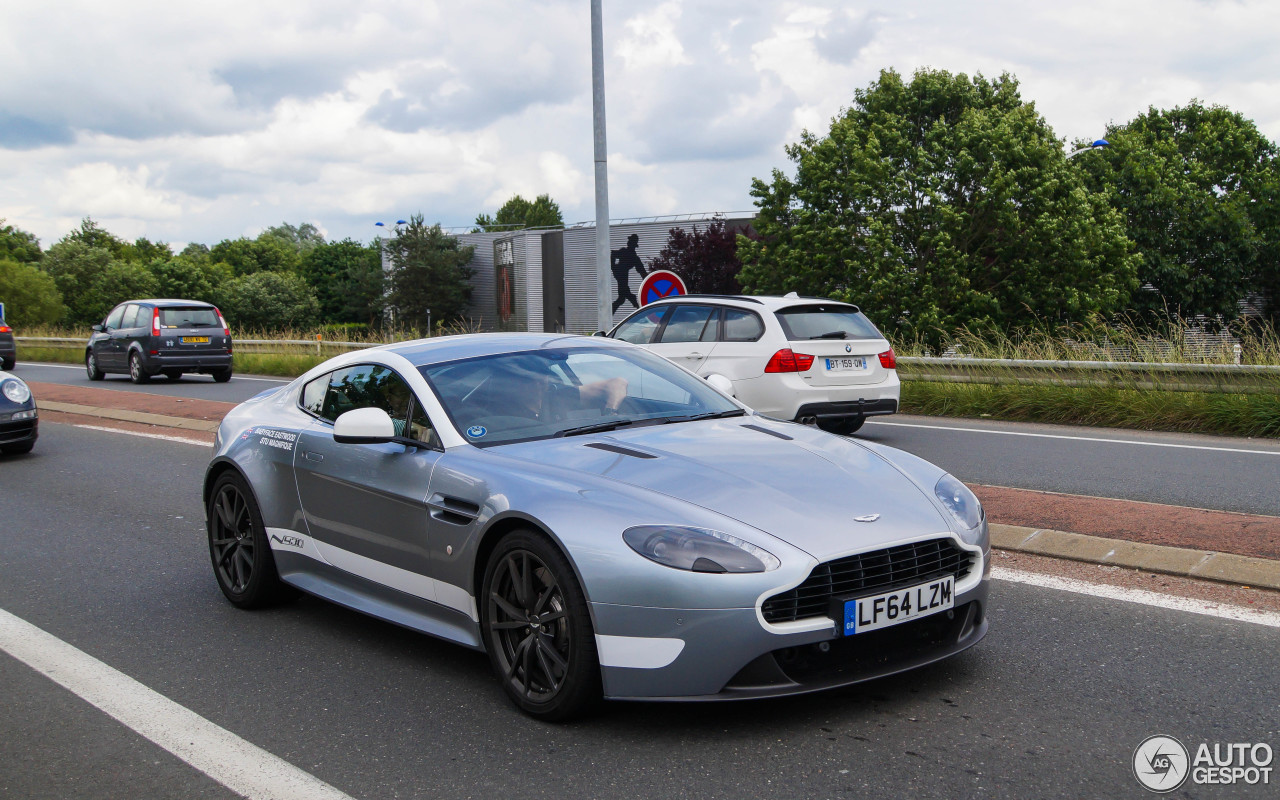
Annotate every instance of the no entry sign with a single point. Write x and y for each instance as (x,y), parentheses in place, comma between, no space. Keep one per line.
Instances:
(659,284)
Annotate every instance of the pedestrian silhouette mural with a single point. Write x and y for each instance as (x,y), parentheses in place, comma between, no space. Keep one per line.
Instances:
(622,261)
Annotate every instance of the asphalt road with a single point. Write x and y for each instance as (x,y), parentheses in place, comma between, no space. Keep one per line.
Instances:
(101,545)
(1215,472)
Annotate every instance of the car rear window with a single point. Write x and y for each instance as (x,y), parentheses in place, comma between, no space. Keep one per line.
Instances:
(189,318)
(825,322)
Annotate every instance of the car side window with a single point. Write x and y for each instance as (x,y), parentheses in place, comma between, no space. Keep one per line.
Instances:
(687,324)
(130,318)
(369,386)
(112,321)
(640,327)
(741,326)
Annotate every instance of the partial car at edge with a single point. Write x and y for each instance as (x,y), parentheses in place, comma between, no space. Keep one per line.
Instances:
(19,417)
(602,523)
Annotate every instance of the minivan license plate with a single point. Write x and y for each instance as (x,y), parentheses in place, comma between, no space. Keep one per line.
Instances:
(864,614)
(195,339)
(846,364)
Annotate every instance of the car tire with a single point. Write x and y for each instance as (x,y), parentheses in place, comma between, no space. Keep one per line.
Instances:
(238,548)
(222,375)
(8,364)
(91,367)
(842,426)
(173,374)
(137,373)
(537,629)
(17,449)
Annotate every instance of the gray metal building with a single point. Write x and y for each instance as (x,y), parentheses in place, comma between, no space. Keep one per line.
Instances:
(545,280)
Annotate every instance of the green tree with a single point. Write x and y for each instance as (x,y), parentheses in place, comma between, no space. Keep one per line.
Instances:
(940,203)
(91,234)
(429,274)
(144,251)
(1197,189)
(268,301)
(706,259)
(518,213)
(75,268)
(347,279)
(302,238)
(30,297)
(182,278)
(19,245)
(264,254)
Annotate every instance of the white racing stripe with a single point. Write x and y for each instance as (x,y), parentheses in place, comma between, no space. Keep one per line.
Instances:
(1076,438)
(240,766)
(145,435)
(1141,596)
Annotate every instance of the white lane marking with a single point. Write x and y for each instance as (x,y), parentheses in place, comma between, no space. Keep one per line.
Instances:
(1141,596)
(181,439)
(81,367)
(1077,438)
(242,767)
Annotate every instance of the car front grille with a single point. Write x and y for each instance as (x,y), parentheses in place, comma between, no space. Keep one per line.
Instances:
(16,431)
(869,573)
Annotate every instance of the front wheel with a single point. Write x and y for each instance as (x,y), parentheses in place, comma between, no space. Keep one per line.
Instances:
(8,364)
(841,426)
(136,372)
(537,629)
(17,449)
(238,547)
(91,367)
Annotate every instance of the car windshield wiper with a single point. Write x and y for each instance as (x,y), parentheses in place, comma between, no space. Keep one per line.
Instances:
(832,335)
(733,412)
(598,427)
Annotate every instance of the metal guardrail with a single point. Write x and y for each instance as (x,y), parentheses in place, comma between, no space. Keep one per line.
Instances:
(1172,377)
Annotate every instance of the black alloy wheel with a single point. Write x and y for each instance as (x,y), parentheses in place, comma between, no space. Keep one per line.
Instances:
(537,629)
(91,367)
(242,560)
(136,373)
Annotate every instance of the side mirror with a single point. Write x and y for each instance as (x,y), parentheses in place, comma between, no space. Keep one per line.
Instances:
(721,383)
(364,426)
(97,328)
(600,333)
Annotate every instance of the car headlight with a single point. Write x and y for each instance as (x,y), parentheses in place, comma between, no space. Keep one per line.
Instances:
(962,503)
(16,390)
(698,549)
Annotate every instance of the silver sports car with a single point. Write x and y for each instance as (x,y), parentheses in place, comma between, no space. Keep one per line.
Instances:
(598,520)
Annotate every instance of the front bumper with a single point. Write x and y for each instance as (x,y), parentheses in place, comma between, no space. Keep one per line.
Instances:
(728,654)
(11,432)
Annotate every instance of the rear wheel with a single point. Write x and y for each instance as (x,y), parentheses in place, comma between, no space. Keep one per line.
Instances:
(238,547)
(91,367)
(136,373)
(222,375)
(173,374)
(842,426)
(537,629)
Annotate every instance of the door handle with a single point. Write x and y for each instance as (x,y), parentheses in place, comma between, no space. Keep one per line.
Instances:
(694,355)
(310,456)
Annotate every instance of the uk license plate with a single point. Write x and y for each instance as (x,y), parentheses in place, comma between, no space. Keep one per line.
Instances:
(864,614)
(195,339)
(849,364)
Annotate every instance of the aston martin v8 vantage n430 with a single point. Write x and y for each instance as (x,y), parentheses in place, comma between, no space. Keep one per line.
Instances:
(600,521)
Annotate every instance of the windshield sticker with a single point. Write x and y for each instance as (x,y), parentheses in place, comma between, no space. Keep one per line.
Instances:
(476,431)
(273,438)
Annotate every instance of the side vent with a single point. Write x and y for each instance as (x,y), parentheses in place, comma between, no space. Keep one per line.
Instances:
(622,451)
(452,509)
(771,433)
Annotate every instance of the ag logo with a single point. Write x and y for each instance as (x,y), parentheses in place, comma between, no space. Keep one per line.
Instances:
(1161,764)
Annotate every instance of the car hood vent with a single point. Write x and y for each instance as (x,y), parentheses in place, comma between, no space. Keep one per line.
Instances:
(771,433)
(622,451)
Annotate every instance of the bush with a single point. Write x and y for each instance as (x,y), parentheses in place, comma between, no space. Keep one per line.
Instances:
(30,296)
(269,301)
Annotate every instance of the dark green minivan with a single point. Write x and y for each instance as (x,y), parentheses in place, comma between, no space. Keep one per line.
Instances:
(143,338)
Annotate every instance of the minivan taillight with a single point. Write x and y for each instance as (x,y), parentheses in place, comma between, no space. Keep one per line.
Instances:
(155,322)
(5,329)
(225,330)
(888,360)
(786,361)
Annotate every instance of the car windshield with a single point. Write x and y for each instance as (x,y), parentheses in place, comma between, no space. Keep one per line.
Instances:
(832,321)
(541,394)
(189,318)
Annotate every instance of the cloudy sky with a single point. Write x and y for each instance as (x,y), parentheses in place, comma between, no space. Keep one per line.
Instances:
(202,121)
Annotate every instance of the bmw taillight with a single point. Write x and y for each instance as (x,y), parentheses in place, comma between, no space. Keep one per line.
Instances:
(155,322)
(786,361)
(888,360)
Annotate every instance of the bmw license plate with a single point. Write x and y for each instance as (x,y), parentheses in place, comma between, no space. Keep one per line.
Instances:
(864,614)
(849,364)
(195,339)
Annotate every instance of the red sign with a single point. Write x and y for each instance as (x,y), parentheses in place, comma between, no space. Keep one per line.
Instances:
(659,284)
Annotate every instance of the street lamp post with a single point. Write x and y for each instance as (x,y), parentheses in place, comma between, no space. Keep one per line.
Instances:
(390,315)
(1096,144)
